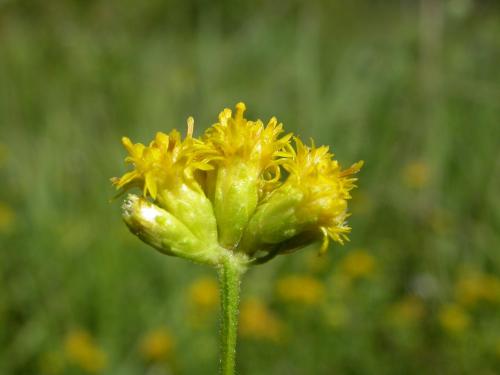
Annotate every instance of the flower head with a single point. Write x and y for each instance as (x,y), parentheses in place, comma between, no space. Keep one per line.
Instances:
(325,187)
(166,171)
(168,160)
(247,157)
(243,188)
(309,206)
(235,139)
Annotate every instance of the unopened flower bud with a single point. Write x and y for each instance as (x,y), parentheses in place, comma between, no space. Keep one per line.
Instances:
(163,231)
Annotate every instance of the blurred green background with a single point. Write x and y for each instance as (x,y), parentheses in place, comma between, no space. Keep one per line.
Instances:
(411,87)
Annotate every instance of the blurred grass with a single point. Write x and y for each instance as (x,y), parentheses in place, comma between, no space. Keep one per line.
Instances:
(410,87)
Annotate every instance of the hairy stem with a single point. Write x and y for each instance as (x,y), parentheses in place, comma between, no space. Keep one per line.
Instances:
(230,272)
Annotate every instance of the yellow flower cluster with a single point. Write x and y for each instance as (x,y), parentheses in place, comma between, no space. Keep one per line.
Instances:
(358,264)
(167,161)
(259,322)
(157,345)
(473,288)
(204,294)
(83,352)
(453,318)
(242,187)
(203,301)
(301,289)
(236,140)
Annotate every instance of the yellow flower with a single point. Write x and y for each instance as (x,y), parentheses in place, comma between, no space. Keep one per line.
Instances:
(204,293)
(203,298)
(167,161)
(235,139)
(311,204)
(257,321)
(358,264)
(247,155)
(325,188)
(410,309)
(82,351)
(7,218)
(242,190)
(301,289)
(157,345)
(166,171)
(473,288)
(454,318)
(416,175)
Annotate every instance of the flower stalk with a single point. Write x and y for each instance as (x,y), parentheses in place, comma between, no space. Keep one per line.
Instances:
(230,272)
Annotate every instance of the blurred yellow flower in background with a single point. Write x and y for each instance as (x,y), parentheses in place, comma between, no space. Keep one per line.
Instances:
(408,310)
(301,289)
(7,218)
(157,345)
(358,264)
(257,321)
(203,300)
(204,293)
(473,288)
(416,174)
(82,351)
(453,318)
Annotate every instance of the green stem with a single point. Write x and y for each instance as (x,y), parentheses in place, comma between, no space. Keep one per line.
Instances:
(230,272)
